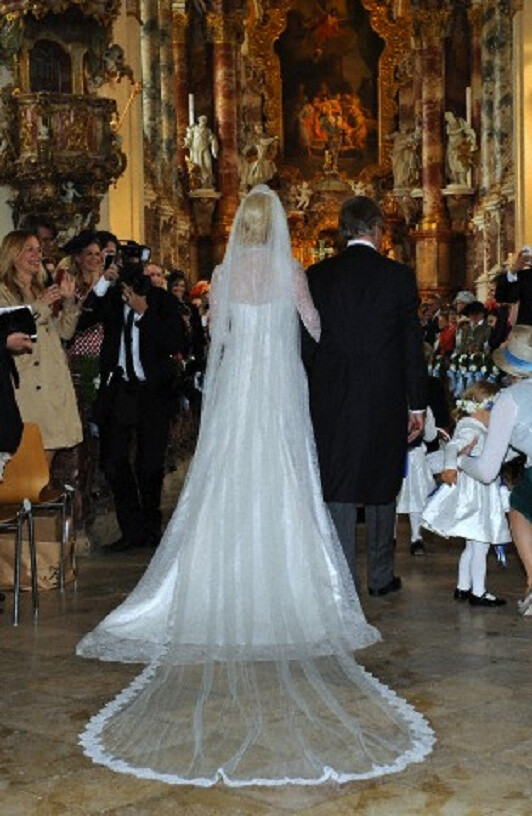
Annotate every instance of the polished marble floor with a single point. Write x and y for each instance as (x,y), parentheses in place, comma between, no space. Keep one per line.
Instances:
(468,670)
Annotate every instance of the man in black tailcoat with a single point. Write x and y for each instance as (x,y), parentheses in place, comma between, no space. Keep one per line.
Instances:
(368,380)
(142,330)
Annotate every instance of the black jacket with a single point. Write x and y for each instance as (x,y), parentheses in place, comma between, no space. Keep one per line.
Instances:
(520,290)
(10,421)
(366,372)
(160,332)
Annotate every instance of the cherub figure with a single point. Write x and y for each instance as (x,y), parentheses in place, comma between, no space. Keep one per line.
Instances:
(69,193)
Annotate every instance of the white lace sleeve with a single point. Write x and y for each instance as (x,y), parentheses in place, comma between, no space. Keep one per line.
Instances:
(304,304)
(485,467)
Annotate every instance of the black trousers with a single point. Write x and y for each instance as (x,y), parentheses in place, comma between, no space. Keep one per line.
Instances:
(380,533)
(133,439)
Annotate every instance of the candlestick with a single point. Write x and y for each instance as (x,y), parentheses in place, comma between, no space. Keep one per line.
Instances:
(468,104)
(191,109)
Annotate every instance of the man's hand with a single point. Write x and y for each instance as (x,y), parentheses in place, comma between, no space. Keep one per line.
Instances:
(111,273)
(416,423)
(138,303)
(19,343)
(449,476)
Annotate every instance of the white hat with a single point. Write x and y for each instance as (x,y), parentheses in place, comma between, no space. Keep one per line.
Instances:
(464,297)
(515,357)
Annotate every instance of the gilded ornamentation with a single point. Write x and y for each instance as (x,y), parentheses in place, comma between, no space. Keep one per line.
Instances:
(57,142)
(104,11)
(225,28)
(179,26)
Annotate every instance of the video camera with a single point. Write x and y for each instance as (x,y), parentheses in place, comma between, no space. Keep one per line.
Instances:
(133,259)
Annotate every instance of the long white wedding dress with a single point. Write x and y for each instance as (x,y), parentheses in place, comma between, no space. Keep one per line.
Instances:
(247,616)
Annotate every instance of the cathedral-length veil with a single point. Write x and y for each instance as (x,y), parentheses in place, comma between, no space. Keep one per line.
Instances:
(247,615)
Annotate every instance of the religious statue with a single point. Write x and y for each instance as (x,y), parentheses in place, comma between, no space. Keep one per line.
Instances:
(303,196)
(43,131)
(4,145)
(461,144)
(203,147)
(69,193)
(405,158)
(114,64)
(261,168)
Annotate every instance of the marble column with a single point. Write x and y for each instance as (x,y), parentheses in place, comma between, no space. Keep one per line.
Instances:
(225,32)
(150,81)
(179,39)
(522,26)
(167,93)
(432,235)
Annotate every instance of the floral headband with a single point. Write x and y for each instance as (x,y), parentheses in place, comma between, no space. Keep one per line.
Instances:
(471,407)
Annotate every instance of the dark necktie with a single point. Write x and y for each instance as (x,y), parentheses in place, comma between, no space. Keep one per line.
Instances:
(128,346)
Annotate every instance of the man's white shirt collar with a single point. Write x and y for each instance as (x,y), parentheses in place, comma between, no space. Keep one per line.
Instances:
(363,241)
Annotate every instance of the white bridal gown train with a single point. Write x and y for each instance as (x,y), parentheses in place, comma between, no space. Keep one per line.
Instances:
(247,616)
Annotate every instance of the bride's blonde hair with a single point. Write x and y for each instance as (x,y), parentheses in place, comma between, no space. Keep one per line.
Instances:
(255,220)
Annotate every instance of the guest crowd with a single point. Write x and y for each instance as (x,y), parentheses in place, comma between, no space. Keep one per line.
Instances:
(117,362)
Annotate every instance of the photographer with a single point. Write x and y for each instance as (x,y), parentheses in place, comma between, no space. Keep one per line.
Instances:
(515,285)
(142,329)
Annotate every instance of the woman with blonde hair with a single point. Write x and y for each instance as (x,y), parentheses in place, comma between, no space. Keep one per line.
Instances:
(247,614)
(45,394)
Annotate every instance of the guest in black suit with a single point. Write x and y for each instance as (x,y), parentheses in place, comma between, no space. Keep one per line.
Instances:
(142,329)
(368,380)
(515,286)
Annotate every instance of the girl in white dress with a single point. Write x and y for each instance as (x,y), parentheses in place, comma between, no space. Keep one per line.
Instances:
(418,483)
(465,507)
(247,615)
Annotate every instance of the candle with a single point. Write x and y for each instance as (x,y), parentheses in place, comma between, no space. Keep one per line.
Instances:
(468,104)
(191,109)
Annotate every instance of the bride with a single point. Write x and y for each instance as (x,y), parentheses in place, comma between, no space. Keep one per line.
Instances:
(247,616)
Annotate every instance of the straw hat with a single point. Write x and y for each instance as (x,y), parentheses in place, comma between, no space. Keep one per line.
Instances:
(515,357)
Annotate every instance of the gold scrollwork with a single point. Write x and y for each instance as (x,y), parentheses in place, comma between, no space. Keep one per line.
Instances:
(104,11)
(263,32)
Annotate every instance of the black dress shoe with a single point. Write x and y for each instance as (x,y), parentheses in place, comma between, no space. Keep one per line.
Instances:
(417,547)
(391,586)
(462,594)
(486,600)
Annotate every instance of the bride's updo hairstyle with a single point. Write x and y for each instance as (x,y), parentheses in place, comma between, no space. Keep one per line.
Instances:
(255,220)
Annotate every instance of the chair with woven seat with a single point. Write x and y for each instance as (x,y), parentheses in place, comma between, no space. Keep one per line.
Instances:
(27,477)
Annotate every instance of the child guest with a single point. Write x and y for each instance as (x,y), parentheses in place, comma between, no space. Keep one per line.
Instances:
(465,507)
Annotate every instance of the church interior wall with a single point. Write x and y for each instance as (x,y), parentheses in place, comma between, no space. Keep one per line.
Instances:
(370,74)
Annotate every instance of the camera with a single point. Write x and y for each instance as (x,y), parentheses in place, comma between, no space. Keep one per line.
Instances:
(133,258)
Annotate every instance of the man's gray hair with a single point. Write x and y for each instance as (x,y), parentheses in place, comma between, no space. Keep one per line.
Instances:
(359,215)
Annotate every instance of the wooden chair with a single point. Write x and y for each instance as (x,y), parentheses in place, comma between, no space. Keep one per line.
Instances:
(26,478)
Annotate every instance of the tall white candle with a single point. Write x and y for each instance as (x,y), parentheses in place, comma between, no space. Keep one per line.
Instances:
(468,104)
(191,109)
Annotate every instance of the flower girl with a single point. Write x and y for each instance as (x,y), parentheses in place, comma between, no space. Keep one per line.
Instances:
(465,507)
(418,483)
